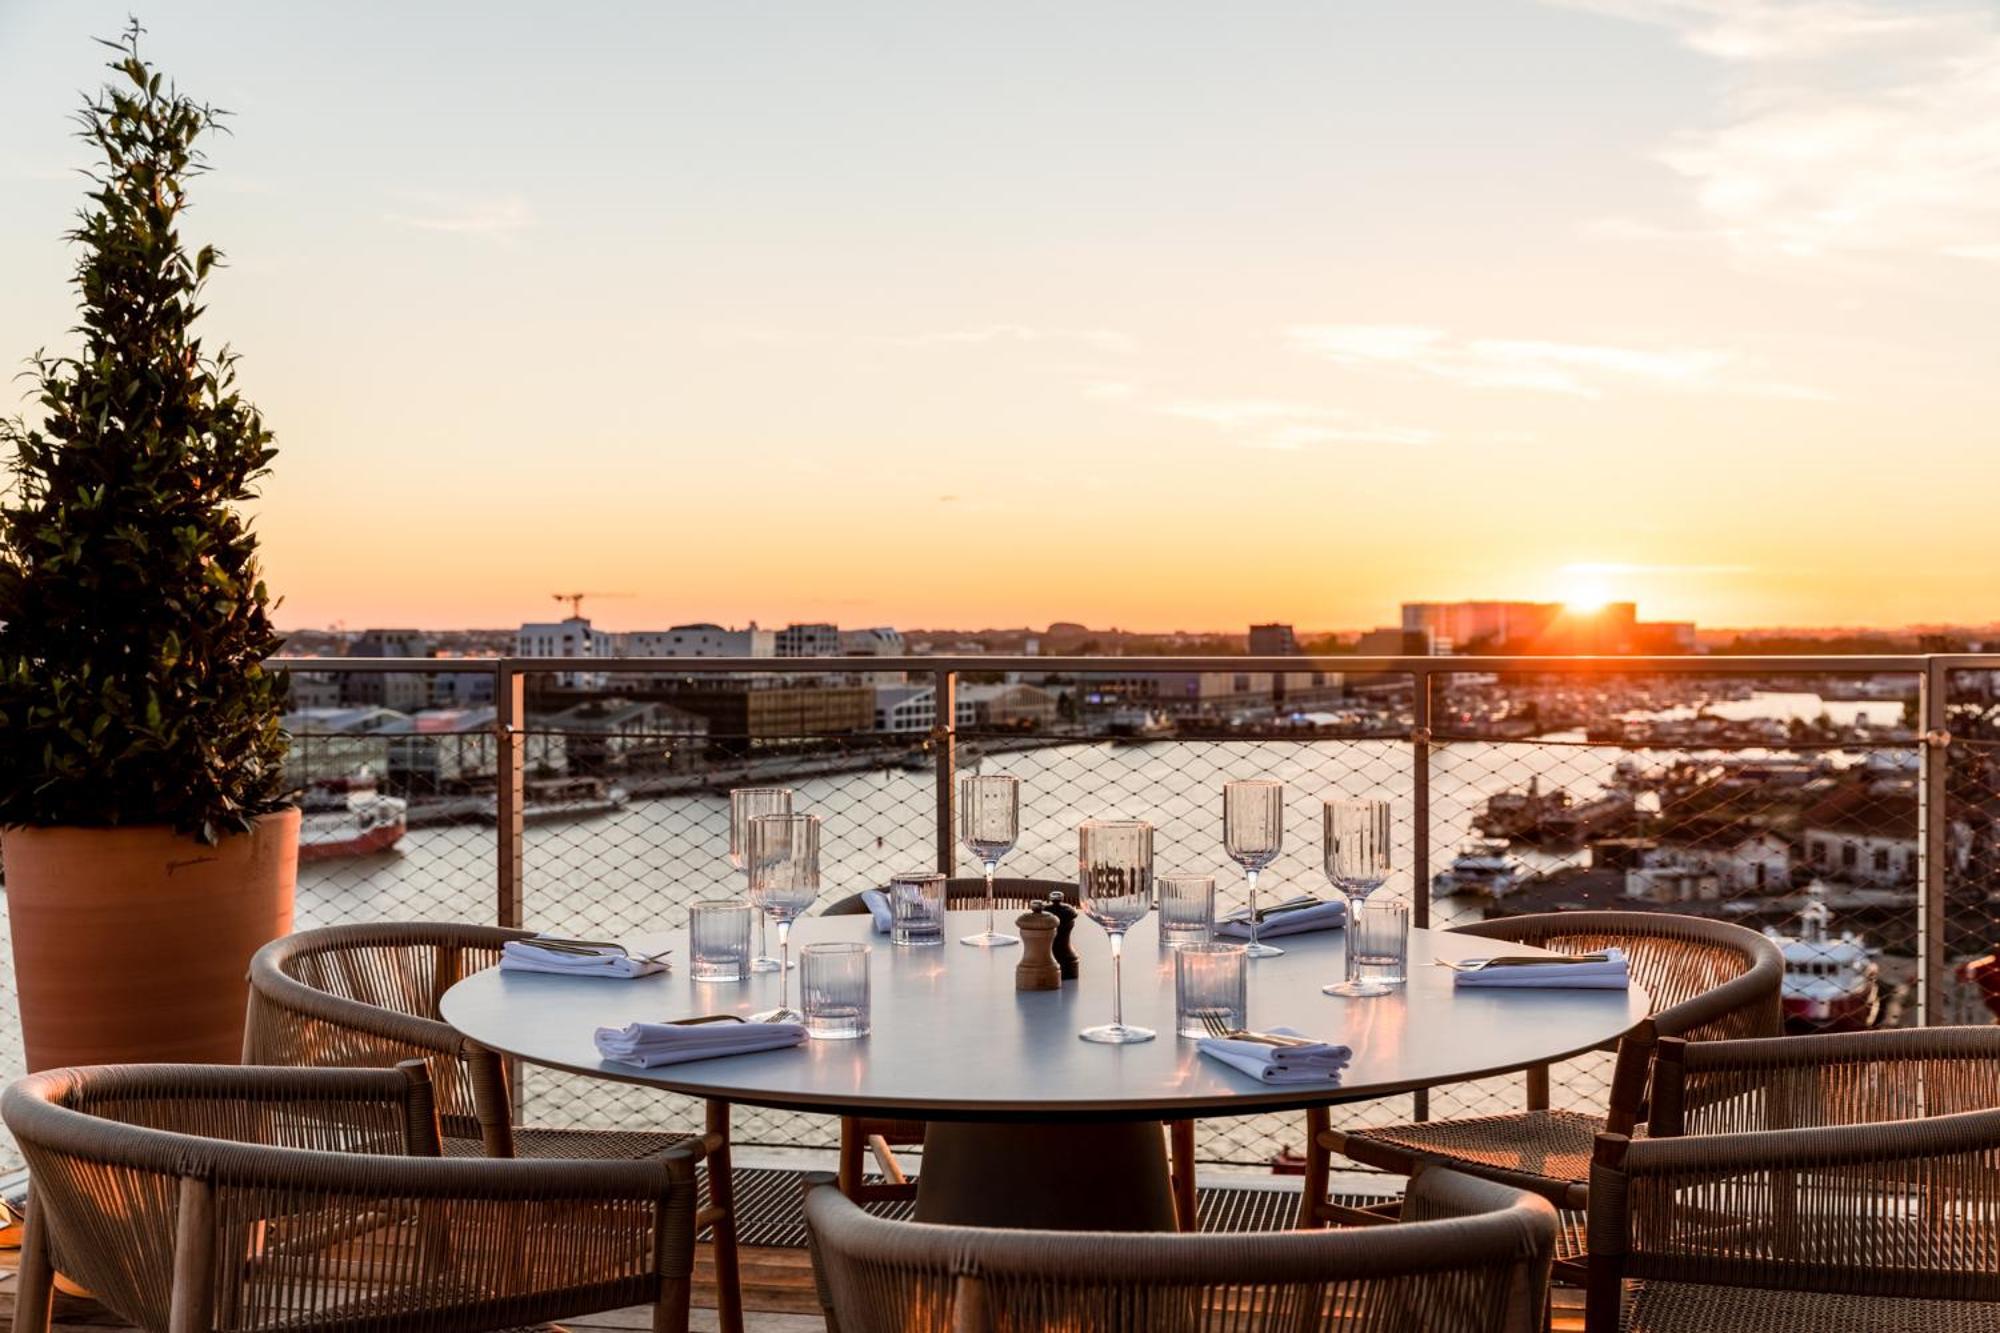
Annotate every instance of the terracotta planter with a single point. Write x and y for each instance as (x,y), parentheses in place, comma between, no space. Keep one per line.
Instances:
(133,943)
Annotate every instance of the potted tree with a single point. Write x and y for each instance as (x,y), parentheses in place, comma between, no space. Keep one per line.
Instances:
(148,845)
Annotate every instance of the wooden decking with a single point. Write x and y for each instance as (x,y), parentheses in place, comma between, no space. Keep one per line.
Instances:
(778,1297)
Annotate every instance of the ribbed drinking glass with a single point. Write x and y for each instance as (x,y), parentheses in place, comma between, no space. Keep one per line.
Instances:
(783,852)
(1253,833)
(745,804)
(1115,880)
(1356,843)
(989,822)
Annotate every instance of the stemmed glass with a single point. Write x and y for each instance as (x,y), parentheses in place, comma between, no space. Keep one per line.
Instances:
(989,820)
(1253,833)
(1115,878)
(745,804)
(1357,861)
(783,852)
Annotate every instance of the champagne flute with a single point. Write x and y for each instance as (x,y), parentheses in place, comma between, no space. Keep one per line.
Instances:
(1253,833)
(1115,879)
(745,804)
(783,852)
(1356,844)
(989,820)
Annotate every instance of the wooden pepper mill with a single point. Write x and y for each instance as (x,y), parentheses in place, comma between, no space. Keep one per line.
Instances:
(1037,969)
(1065,952)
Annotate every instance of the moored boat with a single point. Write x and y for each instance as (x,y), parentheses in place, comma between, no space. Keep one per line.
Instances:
(343,817)
(1832,983)
(1480,870)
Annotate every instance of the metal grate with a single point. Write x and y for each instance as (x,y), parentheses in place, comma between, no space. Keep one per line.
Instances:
(768,1207)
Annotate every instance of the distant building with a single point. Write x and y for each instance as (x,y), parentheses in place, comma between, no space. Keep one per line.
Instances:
(614,735)
(814,640)
(1863,834)
(455,750)
(336,743)
(878,642)
(1544,628)
(905,710)
(315,689)
(405,691)
(699,641)
(1005,707)
(573,637)
(1273,641)
(759,713)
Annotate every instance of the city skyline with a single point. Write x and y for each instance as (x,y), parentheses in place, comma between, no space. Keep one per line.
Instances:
(1149,316)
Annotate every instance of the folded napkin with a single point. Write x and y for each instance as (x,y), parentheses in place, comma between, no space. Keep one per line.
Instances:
(878,907)
(1320,1063)
(650,1045)
(608,960)
(1328,915)
(1614,973)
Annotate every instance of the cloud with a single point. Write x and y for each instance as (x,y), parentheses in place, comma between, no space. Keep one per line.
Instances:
(1584,370)
(1262,423)
(1847,127)
(494,218)
(1103,340)
(1110,390)
(1676,570)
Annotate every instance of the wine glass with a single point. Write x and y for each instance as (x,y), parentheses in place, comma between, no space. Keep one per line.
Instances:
(1253,833)
(783,852)
(989,820)
(1115,878)
(745,804)
(1357,861)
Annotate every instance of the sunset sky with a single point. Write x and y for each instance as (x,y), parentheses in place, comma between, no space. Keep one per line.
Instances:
(1153,314)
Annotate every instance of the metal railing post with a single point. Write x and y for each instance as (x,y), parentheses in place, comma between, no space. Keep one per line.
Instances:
(510,770)
(1933,847)
(1420,829)
(1420,799)
(945,735)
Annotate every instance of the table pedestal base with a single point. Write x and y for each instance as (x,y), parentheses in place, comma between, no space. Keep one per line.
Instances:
(1056,1177)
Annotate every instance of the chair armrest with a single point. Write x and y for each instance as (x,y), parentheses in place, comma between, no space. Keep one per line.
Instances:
(1903,1208)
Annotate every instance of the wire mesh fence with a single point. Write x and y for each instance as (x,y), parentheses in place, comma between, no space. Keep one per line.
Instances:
(1792,805)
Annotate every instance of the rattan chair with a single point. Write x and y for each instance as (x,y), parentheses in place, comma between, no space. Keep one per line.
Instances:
(1471,1256)
(1845,1078)
(1706,979)
(1881,1227)
(367,996)
(862,1137)
(197,1197)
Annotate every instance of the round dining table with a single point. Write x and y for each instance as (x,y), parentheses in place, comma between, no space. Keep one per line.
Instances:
(1028,1125)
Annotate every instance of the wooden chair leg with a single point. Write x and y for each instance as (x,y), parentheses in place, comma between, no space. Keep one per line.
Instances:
(492,1102)
(34,1285)
(1180,1160)
(853,1148)
(722,1221)
(1312,1195)
(192,1308)
(670,1312)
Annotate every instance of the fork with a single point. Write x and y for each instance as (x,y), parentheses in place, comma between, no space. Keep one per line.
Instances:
(1219,1027)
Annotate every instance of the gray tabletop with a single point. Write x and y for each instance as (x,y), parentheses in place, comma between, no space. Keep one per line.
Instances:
(953,1039)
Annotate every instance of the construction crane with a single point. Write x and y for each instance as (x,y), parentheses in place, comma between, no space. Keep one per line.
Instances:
(575,600)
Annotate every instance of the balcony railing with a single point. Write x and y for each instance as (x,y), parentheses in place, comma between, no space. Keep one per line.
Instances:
(516,815)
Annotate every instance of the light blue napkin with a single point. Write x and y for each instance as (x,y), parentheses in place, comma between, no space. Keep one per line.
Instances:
(607,961)
(878,907)
(1330,915)
(650,1045)
(1614,973)
(1320,1064)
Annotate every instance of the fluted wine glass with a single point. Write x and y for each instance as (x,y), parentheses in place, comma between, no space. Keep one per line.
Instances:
(989,820)
(1253,833)
(745,804)
(1356,843)
(783,852)
(1115,879)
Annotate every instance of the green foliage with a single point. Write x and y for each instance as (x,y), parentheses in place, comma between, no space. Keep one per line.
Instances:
(135,620)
